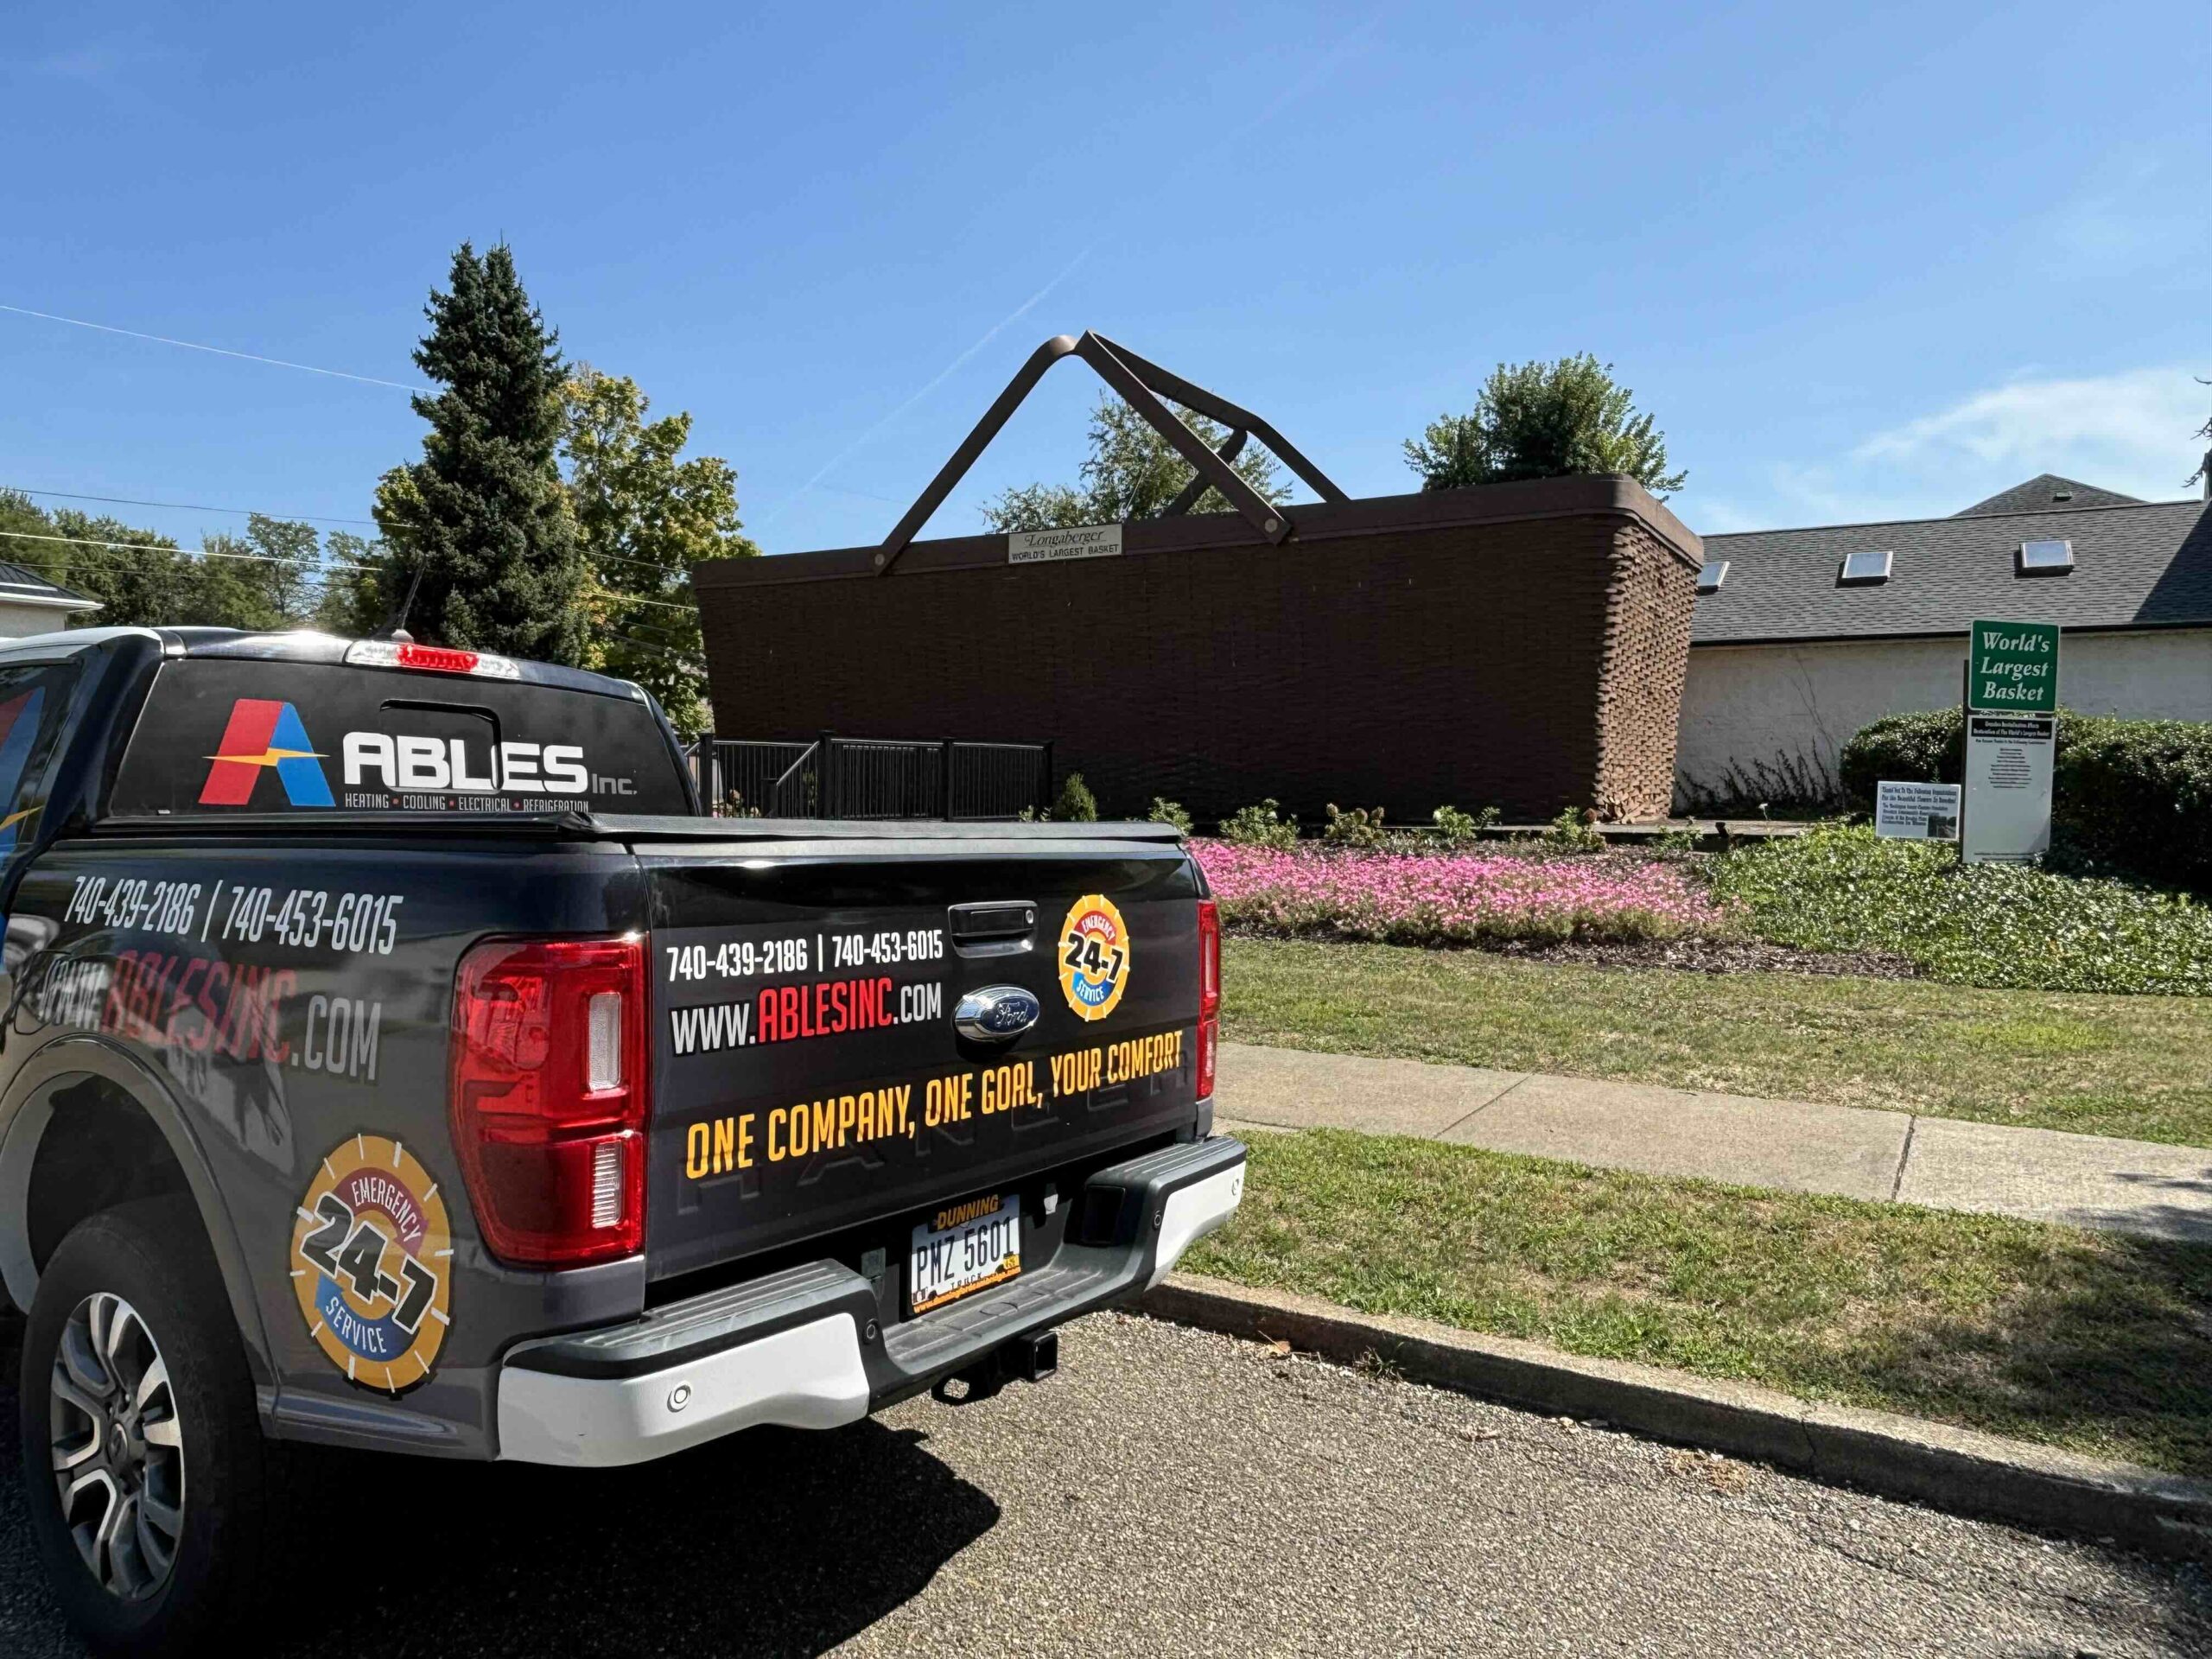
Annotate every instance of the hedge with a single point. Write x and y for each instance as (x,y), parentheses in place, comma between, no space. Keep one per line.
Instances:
(2131,796)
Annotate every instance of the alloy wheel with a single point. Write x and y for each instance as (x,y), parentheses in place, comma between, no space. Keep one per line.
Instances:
(118,1447)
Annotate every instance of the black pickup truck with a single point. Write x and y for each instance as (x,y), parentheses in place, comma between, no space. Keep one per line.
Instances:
(396,1058)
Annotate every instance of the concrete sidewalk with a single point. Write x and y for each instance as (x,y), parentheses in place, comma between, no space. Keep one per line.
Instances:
(2084,1180)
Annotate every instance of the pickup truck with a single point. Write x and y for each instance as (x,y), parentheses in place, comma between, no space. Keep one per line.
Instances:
(396,1058)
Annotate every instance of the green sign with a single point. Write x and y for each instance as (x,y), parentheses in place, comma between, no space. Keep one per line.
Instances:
(2013,668)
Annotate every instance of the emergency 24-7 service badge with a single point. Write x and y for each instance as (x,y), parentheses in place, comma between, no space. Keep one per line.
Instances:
(372,1263)
(1094,957)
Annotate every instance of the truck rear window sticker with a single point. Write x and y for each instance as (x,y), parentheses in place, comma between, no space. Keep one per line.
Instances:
(19,722)
(264,736)
(373,1264)
(220,735)
(1094,951)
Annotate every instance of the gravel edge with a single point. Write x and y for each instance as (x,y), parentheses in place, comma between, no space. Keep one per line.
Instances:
(1962,1471)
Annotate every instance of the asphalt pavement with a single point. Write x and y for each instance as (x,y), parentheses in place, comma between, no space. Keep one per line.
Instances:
(1170,1492)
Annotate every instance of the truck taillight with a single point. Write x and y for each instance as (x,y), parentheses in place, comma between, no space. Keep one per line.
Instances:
(1209,993)
(548,1098)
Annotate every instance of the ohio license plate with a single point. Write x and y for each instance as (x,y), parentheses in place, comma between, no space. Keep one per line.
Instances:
(963,1247)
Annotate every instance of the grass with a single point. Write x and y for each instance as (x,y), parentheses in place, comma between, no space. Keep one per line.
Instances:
(1988,924)
(2095,1342)
(2125,1065)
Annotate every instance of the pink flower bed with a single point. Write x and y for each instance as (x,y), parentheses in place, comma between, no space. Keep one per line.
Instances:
(1454,899)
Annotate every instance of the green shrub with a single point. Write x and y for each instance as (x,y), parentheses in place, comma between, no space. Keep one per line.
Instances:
(1076,803)
(1261,826)
(2136,795)
(1573,831)
(1927,748)
(1460,828)
(1167,812)
(2007,927)
(2131,796)
(1360,827)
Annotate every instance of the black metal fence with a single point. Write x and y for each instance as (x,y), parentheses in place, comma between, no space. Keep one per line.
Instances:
(871,777)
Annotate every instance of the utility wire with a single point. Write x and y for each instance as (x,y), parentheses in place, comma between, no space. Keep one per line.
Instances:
(190,507)
(684,657)
(297,518)
(219,351)
(185,552)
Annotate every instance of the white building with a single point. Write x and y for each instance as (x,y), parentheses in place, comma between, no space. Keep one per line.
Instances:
(31,604)
(1800,636)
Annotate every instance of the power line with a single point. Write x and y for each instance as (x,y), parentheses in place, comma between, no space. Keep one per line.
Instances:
(312,518)
(664,604)
(655,626)
(191,506)
(685,658)
(181,552)
(219,351)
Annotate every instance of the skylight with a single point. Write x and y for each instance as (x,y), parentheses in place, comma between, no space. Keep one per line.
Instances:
(2046,559)
(1864,567)
(1710,578)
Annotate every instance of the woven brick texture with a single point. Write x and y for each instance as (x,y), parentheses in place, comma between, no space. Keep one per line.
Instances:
(1533,664)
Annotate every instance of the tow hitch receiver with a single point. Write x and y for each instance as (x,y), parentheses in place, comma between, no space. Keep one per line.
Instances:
(1026,1359)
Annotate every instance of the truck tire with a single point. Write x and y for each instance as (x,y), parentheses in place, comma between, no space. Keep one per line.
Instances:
(144,1469)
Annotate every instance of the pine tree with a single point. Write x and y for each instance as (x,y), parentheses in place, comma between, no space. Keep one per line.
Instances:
(483,516)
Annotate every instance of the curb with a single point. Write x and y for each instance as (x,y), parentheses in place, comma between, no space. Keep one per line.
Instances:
(1962,1471)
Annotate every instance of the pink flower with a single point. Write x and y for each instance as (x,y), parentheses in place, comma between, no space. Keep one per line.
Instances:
(1456,899)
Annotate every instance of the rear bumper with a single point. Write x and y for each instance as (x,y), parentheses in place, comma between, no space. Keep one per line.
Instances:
(801,1348)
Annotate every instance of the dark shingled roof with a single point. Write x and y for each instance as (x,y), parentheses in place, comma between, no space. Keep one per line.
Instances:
(2146,565)
(2049,492)
(17,583)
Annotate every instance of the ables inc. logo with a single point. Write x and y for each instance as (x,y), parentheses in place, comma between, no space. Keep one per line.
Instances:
(265,736)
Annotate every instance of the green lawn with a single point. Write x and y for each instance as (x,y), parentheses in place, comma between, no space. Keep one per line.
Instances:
(2139,1066)
(2092,1341)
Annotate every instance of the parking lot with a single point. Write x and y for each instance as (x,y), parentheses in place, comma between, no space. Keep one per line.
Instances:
(1169,1492)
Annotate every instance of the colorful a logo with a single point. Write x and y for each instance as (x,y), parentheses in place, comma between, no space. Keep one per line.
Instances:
(263,735)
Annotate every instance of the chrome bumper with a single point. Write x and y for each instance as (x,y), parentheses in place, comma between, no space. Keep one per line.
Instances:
(796,1348)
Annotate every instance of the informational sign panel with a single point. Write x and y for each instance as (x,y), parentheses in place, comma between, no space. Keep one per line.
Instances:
(2008,786)
(2013,668)
(1043,546)
(1907,811)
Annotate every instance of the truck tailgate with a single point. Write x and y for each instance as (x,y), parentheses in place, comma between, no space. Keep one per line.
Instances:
(808,1074)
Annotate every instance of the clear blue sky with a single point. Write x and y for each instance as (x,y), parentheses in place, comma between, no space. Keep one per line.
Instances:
(1859,265)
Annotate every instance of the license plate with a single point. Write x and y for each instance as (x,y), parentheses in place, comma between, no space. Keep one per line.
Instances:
(962,1249)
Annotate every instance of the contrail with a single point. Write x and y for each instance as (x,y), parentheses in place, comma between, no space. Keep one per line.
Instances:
(219,351)
(942,375)
(1288,95)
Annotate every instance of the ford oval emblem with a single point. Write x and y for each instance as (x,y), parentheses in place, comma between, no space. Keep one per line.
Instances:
(997,1013)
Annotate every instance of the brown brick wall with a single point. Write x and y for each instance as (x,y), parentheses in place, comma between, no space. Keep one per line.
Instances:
(1646,659)
(1522,646)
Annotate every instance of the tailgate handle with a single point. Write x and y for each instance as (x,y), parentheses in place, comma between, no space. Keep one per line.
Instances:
(997,929)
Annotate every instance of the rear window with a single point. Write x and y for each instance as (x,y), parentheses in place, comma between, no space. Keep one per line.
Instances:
(227,735)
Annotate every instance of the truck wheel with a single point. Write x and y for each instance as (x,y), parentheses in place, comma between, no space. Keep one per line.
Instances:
(144,1465)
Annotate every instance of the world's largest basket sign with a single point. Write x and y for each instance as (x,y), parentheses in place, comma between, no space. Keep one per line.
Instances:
(2013,668)
(2011,739)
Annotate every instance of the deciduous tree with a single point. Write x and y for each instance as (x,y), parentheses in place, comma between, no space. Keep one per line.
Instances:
(1132,472)
(645,516)
(1544,420)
